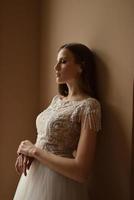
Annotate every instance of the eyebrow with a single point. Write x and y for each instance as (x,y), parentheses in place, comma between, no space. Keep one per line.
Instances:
(64,57)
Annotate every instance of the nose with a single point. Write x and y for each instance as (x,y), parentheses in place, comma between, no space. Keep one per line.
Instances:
(57,67)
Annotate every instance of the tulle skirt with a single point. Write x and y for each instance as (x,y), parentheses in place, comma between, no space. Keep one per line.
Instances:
(42,183)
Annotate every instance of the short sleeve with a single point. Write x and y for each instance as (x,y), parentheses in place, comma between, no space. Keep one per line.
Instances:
(91,115)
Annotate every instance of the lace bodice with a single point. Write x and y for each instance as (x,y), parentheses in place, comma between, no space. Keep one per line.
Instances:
(59,125)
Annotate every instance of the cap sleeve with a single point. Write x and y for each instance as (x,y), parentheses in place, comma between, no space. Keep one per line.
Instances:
(91,115)
(54,99)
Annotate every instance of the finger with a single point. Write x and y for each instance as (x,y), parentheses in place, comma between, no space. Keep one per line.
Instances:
(22,150)
(18,151)
(30,160)
(17,166)
(25,165)
(21,163)
(28,163)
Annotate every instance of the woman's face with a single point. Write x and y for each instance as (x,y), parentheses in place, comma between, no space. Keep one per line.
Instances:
(67,70)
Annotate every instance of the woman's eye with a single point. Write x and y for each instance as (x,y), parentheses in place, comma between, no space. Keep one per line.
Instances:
(63,61)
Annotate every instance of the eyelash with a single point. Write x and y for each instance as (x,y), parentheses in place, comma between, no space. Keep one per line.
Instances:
(63,61)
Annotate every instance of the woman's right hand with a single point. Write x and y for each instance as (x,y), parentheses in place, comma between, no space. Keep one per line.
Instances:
(23,164)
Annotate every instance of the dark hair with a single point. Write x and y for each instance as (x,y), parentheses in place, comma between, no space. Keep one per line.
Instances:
(84,56)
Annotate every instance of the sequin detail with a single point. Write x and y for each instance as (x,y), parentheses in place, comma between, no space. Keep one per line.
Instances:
(59,126)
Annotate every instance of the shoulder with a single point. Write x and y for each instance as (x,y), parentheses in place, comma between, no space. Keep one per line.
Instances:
(55,97)
(91,114)
(91,104)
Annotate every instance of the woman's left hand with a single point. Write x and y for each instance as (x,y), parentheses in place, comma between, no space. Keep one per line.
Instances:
(26,148)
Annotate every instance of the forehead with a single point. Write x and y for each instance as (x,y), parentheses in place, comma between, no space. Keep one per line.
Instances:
(65,53)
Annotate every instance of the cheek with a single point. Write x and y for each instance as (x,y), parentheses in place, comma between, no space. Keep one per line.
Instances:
(69,71)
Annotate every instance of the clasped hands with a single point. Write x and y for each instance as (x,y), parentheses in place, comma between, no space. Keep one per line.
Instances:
(25,157)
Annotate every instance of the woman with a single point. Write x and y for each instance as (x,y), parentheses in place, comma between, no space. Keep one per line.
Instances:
(60,161)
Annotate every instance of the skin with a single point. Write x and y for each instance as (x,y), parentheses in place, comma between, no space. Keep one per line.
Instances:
(79,167)
(68,71)
(23,164)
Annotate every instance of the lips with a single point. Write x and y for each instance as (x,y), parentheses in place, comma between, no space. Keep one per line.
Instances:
(57,74)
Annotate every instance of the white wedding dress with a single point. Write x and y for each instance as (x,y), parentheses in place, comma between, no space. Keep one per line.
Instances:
(58,129)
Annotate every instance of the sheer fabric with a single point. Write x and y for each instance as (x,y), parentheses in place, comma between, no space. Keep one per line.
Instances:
(58,131)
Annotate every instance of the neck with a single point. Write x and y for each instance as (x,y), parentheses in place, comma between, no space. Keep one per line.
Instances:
(73,90)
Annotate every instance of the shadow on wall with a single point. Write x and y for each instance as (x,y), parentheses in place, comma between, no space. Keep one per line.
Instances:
(110,172)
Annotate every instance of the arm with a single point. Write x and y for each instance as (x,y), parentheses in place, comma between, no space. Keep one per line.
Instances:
(78,168)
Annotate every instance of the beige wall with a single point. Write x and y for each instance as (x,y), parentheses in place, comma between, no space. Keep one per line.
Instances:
(132,167)
(29,40)
(19,84)
(107,27)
